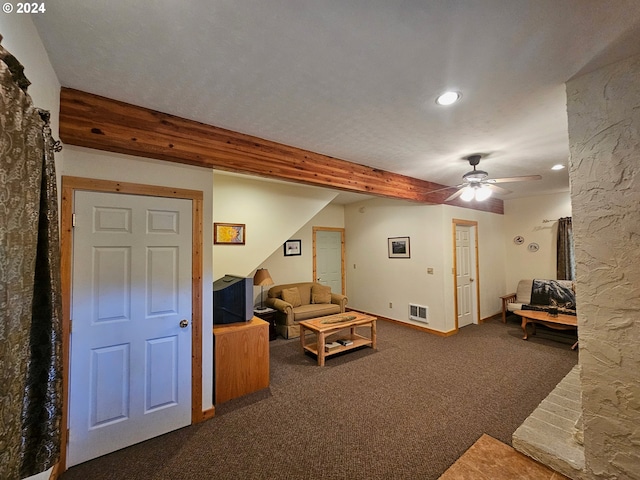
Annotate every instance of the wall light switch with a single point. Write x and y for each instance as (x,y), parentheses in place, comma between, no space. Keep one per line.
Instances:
(390,305)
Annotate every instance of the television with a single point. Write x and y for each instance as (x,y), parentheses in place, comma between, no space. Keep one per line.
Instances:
(232,299)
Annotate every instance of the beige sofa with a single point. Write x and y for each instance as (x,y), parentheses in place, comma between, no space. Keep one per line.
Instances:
(559,292)
(301,301)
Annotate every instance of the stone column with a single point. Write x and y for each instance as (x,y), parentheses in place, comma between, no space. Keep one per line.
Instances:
(604,135)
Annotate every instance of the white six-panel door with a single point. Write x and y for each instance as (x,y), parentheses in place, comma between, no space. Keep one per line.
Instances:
(329,259)
(130,376)
(464,276)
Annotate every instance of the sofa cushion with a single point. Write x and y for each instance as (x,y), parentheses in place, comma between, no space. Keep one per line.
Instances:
(305,312)
(320,294)
(512,307)
(305,293)
(523,292)
(292,296)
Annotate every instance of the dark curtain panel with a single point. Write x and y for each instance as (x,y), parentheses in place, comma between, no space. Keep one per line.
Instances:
(30,301)
(566,267)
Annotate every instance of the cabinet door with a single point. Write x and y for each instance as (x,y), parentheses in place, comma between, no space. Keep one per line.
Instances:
(241,359)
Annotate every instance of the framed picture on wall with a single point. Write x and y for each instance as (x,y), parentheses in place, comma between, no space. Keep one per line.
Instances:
(399,247)
(292,247)
(228,233)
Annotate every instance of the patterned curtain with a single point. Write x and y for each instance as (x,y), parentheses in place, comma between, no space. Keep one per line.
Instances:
(30,301)
(566,266)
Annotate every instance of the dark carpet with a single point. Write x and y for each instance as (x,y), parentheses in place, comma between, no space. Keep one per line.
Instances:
(405,411)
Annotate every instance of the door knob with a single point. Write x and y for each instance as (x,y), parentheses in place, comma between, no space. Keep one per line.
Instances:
(184,323)
(471,279)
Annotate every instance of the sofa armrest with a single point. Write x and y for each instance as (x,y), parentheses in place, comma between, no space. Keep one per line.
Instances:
(284,310)
(280,305)
(509,298)
(339,300)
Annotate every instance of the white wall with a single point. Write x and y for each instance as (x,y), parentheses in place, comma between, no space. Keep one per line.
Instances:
(21,39)
(524,217)
(271,211)
(84,162)
(300,268)
(374,280)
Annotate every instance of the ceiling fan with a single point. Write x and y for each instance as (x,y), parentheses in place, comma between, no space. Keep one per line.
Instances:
(477,185)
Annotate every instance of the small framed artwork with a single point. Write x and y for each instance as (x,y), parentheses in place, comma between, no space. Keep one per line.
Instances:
(292,247)
(399,247)
(229,233)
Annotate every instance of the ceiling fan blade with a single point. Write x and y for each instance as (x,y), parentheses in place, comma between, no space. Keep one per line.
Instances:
(447,188)
(497,190)
(514,179)
(444,188)
(455,195)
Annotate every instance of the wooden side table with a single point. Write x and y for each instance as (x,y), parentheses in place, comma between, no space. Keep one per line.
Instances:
(241,359)
(268,315)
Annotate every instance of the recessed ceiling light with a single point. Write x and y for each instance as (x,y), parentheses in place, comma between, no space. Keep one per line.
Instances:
(557,167)
(447,98)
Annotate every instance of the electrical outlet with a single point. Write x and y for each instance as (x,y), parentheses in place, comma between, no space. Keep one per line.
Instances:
(390,305)
(430,271)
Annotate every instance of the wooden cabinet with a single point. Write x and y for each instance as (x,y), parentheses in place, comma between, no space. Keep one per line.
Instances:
(241,359)
(269,316)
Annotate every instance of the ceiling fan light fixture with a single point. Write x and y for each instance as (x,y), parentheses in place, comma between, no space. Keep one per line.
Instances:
(475,176)
(448,98)
(468,194)
(483,193)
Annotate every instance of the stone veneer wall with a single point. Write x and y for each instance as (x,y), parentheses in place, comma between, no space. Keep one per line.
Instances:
(604,135)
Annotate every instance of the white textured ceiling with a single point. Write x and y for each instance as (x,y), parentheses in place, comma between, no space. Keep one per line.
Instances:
(355,79)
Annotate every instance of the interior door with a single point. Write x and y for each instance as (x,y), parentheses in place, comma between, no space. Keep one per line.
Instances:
(464,275)
(328,255)
(130,375)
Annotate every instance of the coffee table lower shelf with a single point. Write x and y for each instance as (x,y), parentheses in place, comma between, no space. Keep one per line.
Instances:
(358,341)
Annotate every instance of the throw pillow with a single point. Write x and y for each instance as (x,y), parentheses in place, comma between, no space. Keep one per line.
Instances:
(320,294)
(292,296)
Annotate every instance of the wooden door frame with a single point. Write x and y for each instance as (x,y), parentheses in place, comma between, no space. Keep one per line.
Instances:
(330,229)
(69,186)
(468,223)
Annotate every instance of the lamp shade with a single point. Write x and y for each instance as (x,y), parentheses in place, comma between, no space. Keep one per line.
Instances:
(262,278)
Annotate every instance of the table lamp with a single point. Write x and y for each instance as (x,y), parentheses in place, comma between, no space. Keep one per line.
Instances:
(262,279)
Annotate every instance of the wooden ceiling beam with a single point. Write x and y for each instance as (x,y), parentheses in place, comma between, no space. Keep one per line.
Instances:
(101,123)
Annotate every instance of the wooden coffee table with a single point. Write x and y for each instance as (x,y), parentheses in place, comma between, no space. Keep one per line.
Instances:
(325,326)
(561,322)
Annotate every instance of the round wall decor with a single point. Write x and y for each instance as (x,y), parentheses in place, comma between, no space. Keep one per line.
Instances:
(533,247)
(518,240)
